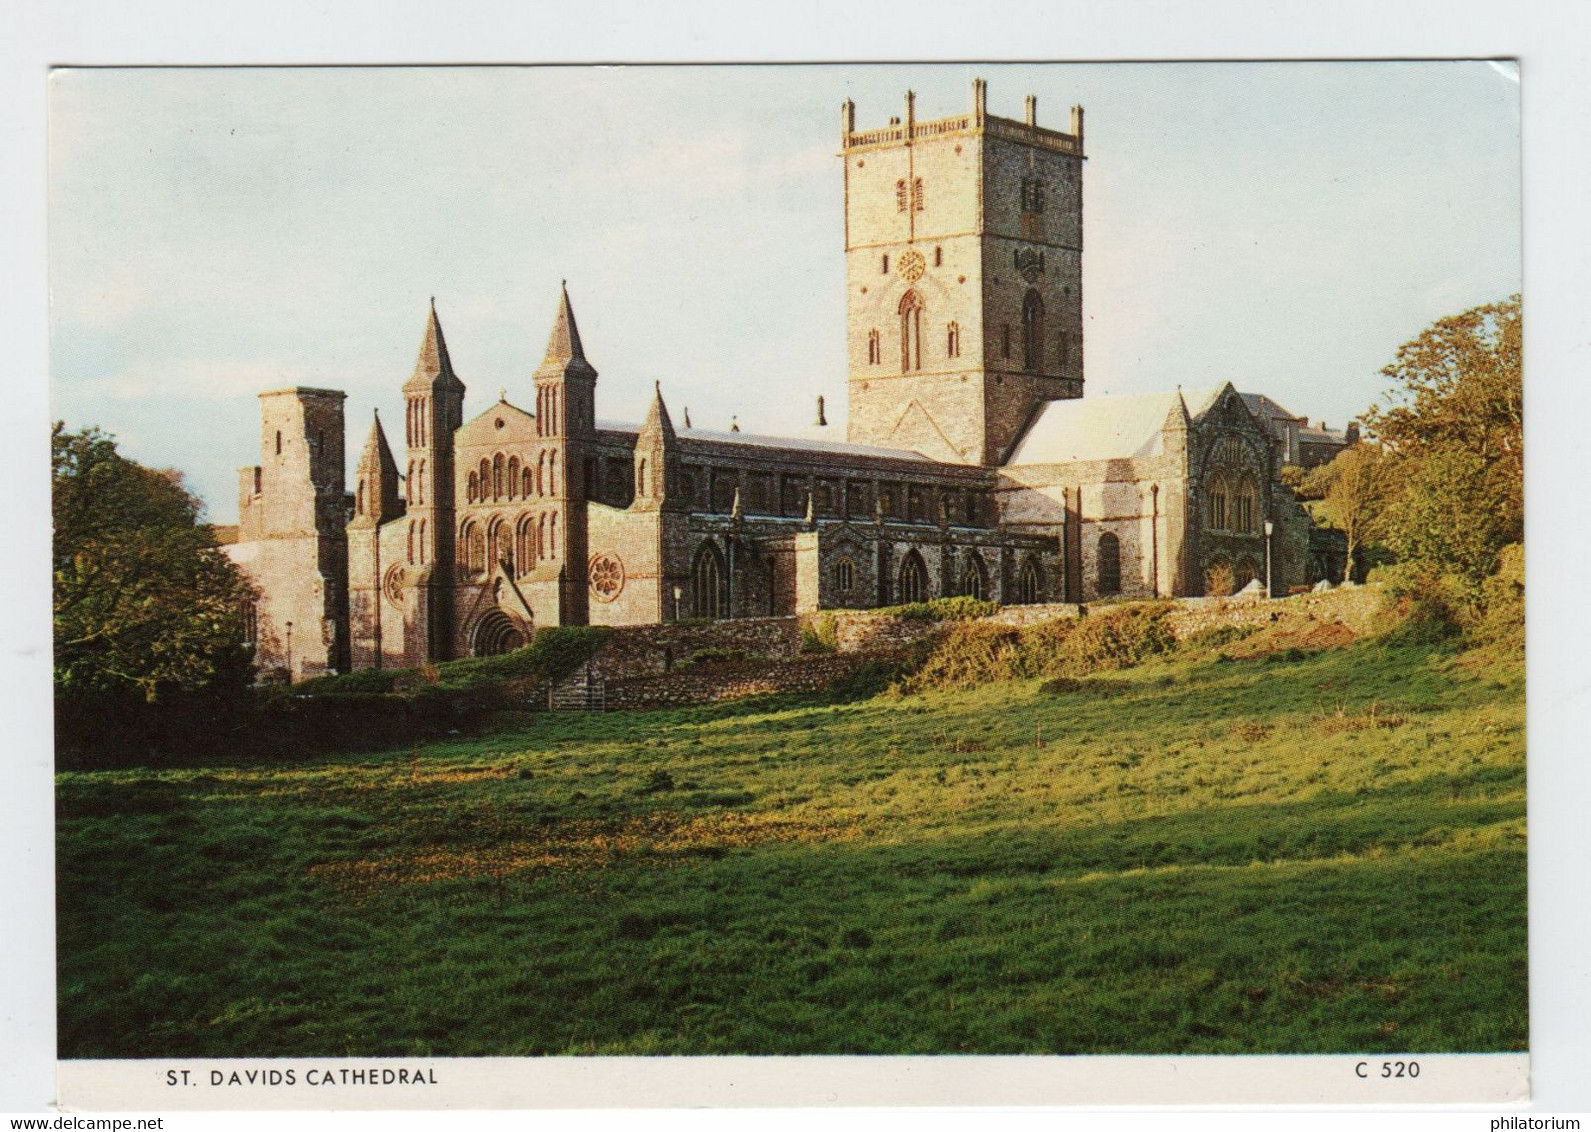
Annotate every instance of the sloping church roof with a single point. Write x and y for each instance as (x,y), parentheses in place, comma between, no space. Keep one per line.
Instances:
(1098,428)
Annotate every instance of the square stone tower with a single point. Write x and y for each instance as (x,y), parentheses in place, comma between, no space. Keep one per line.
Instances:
(964,293)
(291,513)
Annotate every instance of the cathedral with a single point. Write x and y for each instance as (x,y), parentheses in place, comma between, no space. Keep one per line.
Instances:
(973,463)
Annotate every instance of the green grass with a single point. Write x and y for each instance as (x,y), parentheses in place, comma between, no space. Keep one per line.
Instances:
(1320,853)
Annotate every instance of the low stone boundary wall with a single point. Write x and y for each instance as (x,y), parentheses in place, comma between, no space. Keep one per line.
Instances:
(652,650)
(1354,608)
(714,681)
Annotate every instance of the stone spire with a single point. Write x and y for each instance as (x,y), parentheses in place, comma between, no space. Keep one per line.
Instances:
(377,499)
(565,356)
(433,368)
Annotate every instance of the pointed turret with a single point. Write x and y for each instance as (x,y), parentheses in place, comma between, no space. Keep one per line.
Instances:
(654,451)
(377,499)
(433,369)
(657,419)
(565,356)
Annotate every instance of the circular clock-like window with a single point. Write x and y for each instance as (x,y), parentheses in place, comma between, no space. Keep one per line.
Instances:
(392,586)
(911,266)
(607,576)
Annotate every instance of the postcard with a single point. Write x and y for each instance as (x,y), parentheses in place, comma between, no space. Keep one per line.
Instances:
(929,584)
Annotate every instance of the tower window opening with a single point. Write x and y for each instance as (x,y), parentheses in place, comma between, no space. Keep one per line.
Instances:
(900,195)
(884,265)
(939,257)
(1033,332)
(874,348)
(953,340)
(278,442)
(911,332)
(917,194)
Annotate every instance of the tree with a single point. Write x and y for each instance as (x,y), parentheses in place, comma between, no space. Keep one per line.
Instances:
(1351,491)
(144,600)
(1453,434)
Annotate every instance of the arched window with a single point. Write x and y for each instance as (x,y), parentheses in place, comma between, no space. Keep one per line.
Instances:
(474,487)
(513,476)
(1033,332)
(496,545)
(1247,497)
(527,482)
(552,473)
(1108,565)
(912,585)
(901,196)
(914,505)
(917,194)
(1030,582)
(844,575)
(953,340)
(420,550)
(541,473)
(419,485)
(541,535)
(939,256)
(552,535)
(411,542)
(278,442)
(911,332)
(359,506)
(408,483)
(524,545)
(486,478)
(640,477)
(497,476)
(1216,506)
(874,348)
(974,577)
(707,583)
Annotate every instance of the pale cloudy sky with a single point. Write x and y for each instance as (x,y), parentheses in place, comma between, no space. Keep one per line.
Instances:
(216,232)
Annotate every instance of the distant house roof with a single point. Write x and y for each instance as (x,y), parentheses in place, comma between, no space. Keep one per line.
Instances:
(1098,428)
(1266,409)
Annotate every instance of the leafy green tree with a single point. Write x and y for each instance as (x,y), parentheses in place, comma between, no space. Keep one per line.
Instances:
(144,600)
(1453,434)
(1350,492)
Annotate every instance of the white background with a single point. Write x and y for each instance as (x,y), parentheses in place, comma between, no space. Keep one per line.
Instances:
(1550,38)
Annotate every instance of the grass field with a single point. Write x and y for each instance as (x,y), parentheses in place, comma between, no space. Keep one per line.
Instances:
(1322,853)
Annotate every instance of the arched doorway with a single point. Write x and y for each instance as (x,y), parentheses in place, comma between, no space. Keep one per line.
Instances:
(495,634)
(708,596)
(1244,571)
(1218,577)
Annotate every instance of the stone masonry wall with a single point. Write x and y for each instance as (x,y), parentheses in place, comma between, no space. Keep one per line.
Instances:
(649,650)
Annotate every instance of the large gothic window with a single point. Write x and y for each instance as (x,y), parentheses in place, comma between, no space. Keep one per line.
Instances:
(1108,565)
(911,332)
(1033,332)
(913,579)
(707,584)
(1217,502)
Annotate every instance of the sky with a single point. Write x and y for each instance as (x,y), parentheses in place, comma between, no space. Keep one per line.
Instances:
(216,232)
